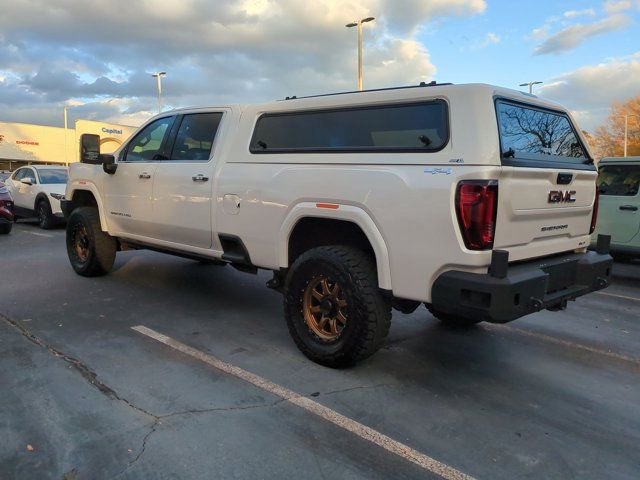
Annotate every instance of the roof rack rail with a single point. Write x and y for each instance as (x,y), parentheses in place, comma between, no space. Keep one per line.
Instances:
(420,85)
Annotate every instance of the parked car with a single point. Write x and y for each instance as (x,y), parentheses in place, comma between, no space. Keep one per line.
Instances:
(4,175)
(37,191)
(6,210)
(619,216)
(475,200)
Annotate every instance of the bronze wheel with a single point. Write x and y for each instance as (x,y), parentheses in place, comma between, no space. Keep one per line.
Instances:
(81,242)
(324,308)
(335,311)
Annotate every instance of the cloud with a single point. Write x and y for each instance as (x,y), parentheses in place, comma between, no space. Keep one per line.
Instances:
(617,6)
(590,90)
(214,52)
(572,36)
(490,39)
(579,13)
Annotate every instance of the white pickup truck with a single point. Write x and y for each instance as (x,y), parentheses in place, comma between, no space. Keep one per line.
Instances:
(475,200)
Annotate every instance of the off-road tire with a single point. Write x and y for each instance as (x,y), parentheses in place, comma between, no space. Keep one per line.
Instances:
(101,246)
(368,313)
(46,219)
(5,228)
(454,321)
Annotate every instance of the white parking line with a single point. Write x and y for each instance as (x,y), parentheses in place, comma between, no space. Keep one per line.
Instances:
(364,432)
(625,297)
(567,343)
(39,234)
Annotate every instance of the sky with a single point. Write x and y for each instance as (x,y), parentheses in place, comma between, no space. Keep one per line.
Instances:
(97,56)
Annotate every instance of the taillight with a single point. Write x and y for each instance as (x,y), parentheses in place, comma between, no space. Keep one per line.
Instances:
(594,215)
(477,205)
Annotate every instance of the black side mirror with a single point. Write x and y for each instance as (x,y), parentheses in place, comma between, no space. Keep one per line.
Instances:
(90,149)
(109,164)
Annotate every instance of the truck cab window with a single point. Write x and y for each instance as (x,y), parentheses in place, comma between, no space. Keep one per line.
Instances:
(195,136)
(148,145)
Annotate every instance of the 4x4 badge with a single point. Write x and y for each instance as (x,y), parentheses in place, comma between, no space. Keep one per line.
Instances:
(562,196)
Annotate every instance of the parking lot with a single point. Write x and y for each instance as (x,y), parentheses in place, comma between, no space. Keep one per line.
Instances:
(84,395)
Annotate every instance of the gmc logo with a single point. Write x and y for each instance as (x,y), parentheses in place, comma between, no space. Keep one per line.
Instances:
(560,196)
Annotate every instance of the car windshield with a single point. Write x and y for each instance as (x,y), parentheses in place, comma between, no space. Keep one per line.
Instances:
(57,176)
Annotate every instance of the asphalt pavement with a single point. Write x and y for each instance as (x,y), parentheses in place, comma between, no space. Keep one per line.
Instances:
(84,396)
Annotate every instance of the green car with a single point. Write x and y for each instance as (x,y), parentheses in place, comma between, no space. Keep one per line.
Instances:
(619,211)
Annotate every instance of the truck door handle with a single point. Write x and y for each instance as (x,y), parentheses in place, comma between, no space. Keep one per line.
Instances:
(144,175)
(630,208)
(199,178)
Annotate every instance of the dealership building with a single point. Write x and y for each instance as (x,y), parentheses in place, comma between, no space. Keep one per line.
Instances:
(26,144)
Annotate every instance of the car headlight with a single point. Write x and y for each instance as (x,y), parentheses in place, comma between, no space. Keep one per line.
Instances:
(57,196)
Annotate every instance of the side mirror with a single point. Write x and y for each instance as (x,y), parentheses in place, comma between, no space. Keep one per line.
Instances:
(109,164)
(90,149)
(28,180)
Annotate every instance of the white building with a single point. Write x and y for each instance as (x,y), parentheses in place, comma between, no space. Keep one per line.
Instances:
(22,143)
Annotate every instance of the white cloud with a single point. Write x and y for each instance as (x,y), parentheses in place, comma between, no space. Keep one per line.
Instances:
(490,39)
(579,13)
(222,51)
(617,6)
(590,90)
(572,36)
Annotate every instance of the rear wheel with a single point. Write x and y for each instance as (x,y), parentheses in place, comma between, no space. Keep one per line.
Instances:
(91,251)
(455,321)
(46,219)
(333,307)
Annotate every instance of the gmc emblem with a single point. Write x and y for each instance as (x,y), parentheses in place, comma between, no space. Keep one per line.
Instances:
(560,196)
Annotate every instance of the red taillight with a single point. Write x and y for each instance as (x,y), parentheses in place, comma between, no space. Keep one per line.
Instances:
(594,215)
(477,205)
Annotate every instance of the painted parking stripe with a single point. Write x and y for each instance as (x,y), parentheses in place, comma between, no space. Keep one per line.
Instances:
(364,432)
(616,295)
(569,344)
(40,234)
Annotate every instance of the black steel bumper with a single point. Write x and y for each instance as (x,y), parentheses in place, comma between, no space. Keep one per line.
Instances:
(511,291)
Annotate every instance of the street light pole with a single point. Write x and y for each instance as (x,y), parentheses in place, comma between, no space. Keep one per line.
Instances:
(159,76)
(359,25)
(626,131)
(530,85)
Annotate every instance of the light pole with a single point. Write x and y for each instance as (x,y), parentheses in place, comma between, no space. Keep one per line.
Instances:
(530,85)
(359,25)
(159,76)
(626,130)
(66,131)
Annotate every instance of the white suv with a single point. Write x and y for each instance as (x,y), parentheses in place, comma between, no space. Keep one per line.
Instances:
(37,191)
(475,200)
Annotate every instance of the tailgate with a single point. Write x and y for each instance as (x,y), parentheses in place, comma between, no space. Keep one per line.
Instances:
(547,186)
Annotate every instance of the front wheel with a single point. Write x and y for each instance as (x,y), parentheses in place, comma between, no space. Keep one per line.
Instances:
(333,307)
(5,228)
(91,251)
(46,219)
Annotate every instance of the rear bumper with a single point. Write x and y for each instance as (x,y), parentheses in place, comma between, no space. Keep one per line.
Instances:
(512,291)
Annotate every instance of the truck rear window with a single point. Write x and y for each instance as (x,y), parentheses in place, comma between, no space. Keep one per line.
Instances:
(619,180)
(419,127)
(537,135)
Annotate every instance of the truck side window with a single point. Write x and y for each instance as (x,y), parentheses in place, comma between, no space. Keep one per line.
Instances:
(195,136)
(419,127)
(148,145)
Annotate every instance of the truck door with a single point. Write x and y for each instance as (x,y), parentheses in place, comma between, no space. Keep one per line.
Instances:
(182,191)
(619,214)
(128,192)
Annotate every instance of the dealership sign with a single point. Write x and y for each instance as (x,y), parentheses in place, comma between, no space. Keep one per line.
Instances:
(111,131)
